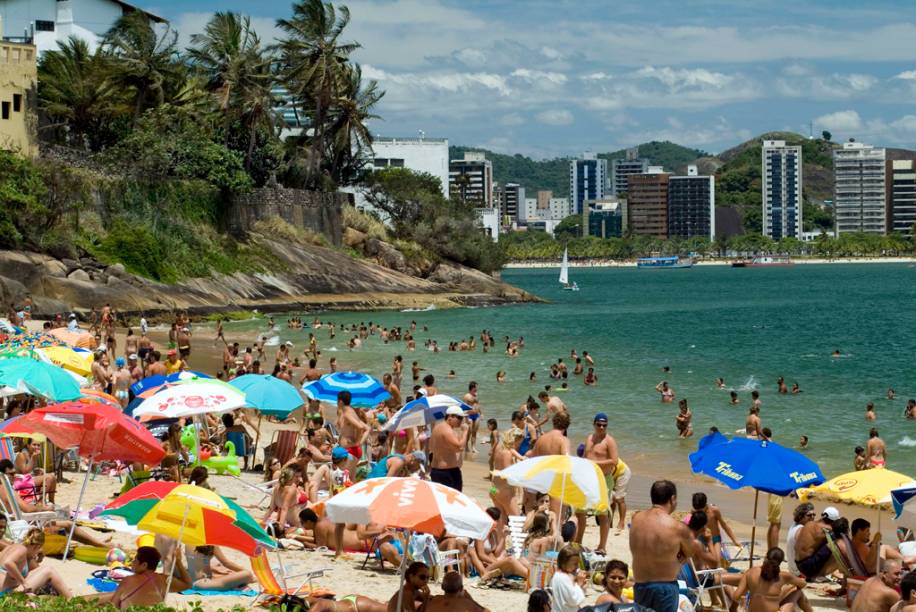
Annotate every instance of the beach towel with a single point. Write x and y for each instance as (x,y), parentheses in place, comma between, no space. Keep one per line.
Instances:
(841,563)
(101,585)
(856,564)
(209,593)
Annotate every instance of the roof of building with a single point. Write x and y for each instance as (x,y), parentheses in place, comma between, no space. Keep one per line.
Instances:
(128,7)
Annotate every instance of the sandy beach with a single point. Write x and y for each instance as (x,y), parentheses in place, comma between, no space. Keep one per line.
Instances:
(721,261)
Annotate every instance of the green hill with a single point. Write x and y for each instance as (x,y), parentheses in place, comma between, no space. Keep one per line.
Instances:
(553,174)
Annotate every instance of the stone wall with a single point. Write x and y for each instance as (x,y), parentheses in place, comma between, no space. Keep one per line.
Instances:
(313,210)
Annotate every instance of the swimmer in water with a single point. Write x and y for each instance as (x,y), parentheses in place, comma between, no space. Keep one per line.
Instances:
(683,420)
(795,388)
(803,442)
(891,394)
(781,385)
(734,398)
(720,383)
(910,412)
(860,462)
(501,376)
(836,352)
(451,373)
(666,392)
(591,378)
(870,412)
(532,377)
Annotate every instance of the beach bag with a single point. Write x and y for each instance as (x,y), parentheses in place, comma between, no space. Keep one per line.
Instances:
(54,544)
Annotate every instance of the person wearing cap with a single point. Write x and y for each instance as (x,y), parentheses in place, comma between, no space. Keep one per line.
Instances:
(120,382)
(133,365)
(446,447)
(72,324)
(172,363)
(601,448)
(813,556)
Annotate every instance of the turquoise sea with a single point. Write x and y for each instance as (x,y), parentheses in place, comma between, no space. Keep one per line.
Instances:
(749,326)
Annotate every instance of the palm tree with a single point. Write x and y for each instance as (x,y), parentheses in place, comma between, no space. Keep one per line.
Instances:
(312,60)
(349,136)
(143,62)
(74,91)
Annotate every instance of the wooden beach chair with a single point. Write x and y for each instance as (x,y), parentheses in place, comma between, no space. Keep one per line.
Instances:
(283,445)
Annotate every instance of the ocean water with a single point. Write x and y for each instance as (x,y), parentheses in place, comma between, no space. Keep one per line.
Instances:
(748,326)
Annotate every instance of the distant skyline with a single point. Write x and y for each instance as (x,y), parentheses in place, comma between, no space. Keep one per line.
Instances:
(550,79)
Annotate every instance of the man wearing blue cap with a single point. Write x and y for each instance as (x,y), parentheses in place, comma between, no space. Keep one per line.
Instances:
(120,382)
(601,448)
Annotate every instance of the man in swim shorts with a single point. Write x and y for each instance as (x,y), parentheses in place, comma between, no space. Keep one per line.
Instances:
(812,553)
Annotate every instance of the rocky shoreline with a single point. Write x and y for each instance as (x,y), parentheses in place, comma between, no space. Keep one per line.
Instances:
(308,277)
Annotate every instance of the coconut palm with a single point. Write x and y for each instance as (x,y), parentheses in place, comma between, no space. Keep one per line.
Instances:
(312,60)
(142,62)
(349,138)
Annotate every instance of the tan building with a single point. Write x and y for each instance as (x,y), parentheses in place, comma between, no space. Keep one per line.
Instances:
(647,203)
(18,79)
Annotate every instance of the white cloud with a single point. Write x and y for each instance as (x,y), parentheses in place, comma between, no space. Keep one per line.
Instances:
(840,121)
(512,119)
(551,53)
(834,86)
(694,133)
(555,117)
(907,75)
(677,79)
(539,76)
(471,57)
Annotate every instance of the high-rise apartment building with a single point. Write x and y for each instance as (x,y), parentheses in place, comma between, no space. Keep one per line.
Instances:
(692,205)
(622,168)
(428,155)
(471,179)
(587,180)
(781,185)
(511,201)
(901,195)
(858,189)
(647,202)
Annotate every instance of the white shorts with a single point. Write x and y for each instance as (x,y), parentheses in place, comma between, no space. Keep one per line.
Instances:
(620,485)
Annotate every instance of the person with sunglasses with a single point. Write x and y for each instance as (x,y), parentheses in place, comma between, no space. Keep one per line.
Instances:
(416,589)
(602,450)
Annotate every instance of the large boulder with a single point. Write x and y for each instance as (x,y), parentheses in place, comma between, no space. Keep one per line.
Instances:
(53,267)
(11,291)
(385,254)
(353,238)
(117,269)
(79,275)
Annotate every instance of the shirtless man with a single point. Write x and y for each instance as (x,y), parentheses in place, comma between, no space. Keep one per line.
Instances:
(876,450)
(715,523)
(470,398)
(393,403)
(429,385)
(134,367)
(454,598)
(907,601)
(602,449)
(446,444)
(752,423)
(145,587)
(184,343)
(658,543)
(812,555)
(312,373)
(101,378)
(553,404)
(554,442)
(879,593)
(353,431)
(120,382)
(156,367)
(869,548)
(341,538)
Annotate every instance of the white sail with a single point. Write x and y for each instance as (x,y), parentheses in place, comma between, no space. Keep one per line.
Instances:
(564,269)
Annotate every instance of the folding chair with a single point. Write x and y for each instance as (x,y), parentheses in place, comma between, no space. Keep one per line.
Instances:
(15,513)
(272,587)
(696,584)
(517,535)
(284,442)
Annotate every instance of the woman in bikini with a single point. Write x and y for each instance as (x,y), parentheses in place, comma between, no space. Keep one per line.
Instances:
(211,570)
(145,587)
(505,496)
(29,484)
(283,501)
(770,588)
(539,540)
(21,562)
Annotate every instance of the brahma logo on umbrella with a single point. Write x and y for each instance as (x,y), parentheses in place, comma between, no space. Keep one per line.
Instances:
(845,484)
(726,470)
(192,401)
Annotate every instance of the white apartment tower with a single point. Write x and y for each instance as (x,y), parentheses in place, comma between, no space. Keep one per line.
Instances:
(781,169)
(858,192)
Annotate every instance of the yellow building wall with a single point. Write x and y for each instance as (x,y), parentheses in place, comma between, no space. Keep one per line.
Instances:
(18,79)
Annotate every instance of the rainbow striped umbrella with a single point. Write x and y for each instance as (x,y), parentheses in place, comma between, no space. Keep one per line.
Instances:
(365,390)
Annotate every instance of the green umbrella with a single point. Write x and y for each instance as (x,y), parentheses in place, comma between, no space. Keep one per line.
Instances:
(38,378)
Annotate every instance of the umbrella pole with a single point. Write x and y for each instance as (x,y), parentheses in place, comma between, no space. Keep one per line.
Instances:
(878,558)
(79,502)
(257,440)
(184,520)
(754,528)
(401,571)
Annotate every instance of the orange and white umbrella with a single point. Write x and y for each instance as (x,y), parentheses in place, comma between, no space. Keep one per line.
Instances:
(79,338)
(412,504)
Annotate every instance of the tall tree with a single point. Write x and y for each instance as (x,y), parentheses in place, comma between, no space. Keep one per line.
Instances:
(144,63)
(349,137)
(312,60)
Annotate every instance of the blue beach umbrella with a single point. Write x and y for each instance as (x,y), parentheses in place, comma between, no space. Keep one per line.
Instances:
(760,464)
(157,380)
(366,391)
(268,394)
(38,378)
(424,411)
(904,500)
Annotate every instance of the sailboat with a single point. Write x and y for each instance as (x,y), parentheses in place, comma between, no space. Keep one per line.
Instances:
(564,273)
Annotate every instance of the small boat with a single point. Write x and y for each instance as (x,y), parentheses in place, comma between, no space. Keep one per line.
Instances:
(664,262)
(564,273)
(763,261)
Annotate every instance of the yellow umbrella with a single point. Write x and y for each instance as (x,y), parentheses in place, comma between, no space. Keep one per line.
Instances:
(577,482)
(79,362)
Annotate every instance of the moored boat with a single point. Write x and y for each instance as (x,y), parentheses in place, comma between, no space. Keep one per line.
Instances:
(763,261)
(671,262)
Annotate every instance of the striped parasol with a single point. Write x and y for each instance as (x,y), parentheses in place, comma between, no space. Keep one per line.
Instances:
(365,390)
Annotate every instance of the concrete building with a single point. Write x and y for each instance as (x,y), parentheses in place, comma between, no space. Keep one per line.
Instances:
(554,208)
(859,189)
(428,155)
(18,78)
(44,23)
(647,202)
(488,219)
(692,205)
(622,168)
(900,195)
(510,200)
(781,185)
(471,179)
(604,218)
(587,180)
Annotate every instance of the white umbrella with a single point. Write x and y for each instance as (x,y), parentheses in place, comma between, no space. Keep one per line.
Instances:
(191,398)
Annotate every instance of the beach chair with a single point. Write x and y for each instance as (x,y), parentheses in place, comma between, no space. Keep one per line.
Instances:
(287,584)
(423,547)
(15,514)
(517,535)
(283,443)
(696,581)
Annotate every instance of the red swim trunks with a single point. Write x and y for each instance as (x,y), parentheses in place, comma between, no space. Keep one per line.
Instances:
(355,451)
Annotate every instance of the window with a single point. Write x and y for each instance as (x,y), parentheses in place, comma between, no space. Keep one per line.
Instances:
(44,26)
(396,163)
(17,103)
(4,110)
(380,162)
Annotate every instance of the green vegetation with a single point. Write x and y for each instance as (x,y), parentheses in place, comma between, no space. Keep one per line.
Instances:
(553,174)
(233,315)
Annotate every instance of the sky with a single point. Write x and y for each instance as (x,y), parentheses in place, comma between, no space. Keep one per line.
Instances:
(556,78)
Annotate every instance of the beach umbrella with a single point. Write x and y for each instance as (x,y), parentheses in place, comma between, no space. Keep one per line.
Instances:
(77,360)
(190,398)
(80,338)
(94,395)
(39,378)
(575,481)
(365,390)
(8,428)
(97,431)
(192,515)
(904,500)
(157,381)
(761,464)
(268,394)
(424,411)
(412,504)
